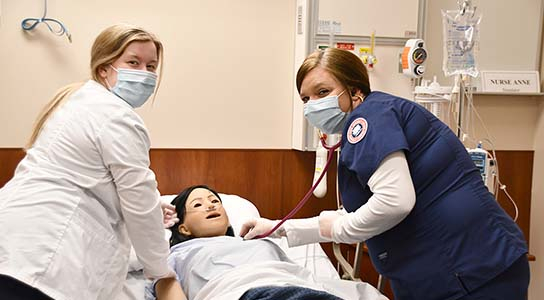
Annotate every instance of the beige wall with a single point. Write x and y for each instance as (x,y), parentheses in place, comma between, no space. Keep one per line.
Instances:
(228,77)
(536,290)
(510,120)
(228,74)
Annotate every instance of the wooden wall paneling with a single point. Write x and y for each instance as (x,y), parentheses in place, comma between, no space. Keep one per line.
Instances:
(516,173)
(9,159)
(176,169)
(254,175)
(297,181)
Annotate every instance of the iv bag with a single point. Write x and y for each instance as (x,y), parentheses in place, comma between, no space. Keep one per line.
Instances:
(461,42)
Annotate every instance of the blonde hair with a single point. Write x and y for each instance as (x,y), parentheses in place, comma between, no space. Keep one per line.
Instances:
(108,46)
(345,66)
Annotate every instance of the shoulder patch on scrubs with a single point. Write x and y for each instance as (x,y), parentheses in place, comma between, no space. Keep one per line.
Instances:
(357,130)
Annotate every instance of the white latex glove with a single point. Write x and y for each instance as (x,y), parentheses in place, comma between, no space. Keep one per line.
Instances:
(255,227)
(169,215)
(326,222)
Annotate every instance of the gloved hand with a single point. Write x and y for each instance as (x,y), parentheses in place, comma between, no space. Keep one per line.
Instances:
(169,215)
(255,227)
(326,222)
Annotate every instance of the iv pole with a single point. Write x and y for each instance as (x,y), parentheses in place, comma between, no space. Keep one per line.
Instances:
(464,5)
(461,106)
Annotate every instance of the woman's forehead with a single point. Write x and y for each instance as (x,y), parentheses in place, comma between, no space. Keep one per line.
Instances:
(317,77)
(141,49)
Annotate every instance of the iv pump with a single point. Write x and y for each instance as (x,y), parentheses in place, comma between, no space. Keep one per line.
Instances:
(485,165)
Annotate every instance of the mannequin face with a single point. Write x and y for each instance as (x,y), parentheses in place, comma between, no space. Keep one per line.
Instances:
(205,215)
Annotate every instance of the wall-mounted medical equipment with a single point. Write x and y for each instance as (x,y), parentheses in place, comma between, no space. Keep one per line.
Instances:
(55,26)
(367,53)
(413,58)
(439,100)
(461,32)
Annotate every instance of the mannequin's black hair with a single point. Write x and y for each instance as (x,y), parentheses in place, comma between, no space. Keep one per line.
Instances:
(179,203)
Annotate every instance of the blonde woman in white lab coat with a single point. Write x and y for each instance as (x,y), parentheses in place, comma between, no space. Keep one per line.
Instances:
(84,191)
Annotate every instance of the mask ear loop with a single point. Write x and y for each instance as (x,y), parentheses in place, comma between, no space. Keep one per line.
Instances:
(106,79)
(107,83)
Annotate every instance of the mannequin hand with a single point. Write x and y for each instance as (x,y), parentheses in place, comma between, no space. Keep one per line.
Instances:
(326,222)
(255,227)
(169,215)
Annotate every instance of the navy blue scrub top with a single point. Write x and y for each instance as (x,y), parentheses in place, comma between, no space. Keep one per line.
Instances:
(457,237)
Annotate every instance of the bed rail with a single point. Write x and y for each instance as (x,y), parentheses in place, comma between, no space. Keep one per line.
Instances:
(353,273)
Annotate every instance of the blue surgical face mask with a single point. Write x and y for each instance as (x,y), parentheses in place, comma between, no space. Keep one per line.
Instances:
(134,86)
(325,114)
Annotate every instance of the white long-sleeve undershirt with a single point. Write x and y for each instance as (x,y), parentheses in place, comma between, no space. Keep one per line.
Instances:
(392,200)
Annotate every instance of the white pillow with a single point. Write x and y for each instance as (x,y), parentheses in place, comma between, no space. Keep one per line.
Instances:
(239,210)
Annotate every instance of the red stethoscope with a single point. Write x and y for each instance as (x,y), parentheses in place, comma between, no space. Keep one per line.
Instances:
(330,153)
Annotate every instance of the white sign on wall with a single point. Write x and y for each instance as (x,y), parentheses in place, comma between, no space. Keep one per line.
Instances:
(510,81)
(328,26)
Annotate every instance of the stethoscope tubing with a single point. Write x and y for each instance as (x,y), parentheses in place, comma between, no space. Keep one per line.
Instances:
(330,154)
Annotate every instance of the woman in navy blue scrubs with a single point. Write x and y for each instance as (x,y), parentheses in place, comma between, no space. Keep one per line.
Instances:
(409,190)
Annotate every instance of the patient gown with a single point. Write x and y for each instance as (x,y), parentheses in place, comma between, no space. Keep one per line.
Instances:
(227,267)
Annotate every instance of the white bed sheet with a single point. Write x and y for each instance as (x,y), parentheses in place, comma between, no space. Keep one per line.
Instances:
(245,277)
(311,256)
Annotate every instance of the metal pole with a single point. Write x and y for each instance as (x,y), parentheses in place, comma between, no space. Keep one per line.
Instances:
(461,106)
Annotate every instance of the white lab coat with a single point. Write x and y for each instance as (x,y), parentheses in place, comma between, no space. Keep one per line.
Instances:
(82,193)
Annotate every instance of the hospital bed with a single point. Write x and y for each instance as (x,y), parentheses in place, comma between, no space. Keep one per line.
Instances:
(239,210)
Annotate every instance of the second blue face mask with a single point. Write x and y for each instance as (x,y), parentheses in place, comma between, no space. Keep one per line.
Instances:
(325,114)
(134,86)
